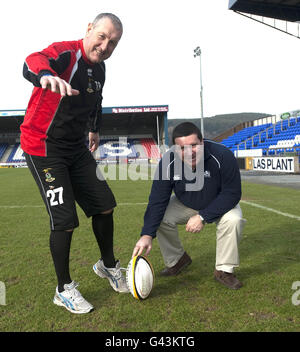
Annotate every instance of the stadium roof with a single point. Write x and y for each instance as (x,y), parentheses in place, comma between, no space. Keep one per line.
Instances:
(286,10)
(117,120)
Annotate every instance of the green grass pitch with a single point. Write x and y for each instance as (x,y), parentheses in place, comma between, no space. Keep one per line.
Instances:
(191,302)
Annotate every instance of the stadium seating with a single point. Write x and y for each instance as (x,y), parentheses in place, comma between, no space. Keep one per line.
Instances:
(113,148)
(274,139)
(3,147)
(16,155)
(246,134)
(151,148)
(123,148)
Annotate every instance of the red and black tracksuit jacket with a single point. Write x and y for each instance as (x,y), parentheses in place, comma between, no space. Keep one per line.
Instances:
(52,124)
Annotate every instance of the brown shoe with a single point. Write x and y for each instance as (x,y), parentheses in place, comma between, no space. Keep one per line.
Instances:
(227,279)
(183,262)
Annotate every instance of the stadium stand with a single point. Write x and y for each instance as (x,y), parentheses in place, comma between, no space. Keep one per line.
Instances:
(140,149)
(111,149)
(274,139)
(128,134)
(132,137)
(150,148)
(16,155)
(3,147)
(247,137)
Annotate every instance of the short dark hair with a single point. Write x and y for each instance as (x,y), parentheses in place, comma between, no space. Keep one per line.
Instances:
(186,129)
(114,19)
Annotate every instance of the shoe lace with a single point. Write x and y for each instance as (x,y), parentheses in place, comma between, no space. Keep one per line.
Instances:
(75,295)
(116,272)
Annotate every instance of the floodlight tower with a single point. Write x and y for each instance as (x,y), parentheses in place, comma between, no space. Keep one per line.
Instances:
(197,52)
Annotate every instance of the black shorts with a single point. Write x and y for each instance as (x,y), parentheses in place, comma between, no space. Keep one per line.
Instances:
(62,180)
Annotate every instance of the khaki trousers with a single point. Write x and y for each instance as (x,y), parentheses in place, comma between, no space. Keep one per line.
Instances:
(228,235)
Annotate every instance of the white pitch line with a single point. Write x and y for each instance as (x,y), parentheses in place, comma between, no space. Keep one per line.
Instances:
(143,203)
(271,209)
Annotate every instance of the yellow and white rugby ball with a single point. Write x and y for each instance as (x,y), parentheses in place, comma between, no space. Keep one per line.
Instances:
(140,277)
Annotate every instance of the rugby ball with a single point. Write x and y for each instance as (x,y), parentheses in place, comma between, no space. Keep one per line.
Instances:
(140,277)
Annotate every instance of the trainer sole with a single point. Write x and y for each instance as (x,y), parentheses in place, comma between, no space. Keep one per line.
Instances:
(60,304)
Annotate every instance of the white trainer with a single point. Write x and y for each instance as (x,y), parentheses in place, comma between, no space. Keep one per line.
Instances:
(72,300)
(114,275)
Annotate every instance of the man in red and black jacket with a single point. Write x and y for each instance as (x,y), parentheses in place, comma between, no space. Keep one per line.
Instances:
(57,121)
(65,104)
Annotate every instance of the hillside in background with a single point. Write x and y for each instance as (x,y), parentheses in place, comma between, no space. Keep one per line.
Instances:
(216,125)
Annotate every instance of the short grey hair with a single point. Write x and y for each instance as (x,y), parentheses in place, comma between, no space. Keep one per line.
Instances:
(114,19)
